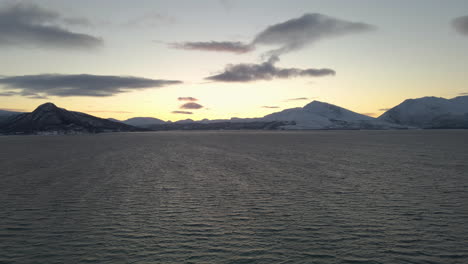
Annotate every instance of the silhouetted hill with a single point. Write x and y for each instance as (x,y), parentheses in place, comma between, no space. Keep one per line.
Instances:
(143,122)
(48,118)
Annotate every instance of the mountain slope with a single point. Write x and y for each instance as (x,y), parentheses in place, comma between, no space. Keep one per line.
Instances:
(320,115)
(4,115)
(8,113)
(48,118)
(430,112)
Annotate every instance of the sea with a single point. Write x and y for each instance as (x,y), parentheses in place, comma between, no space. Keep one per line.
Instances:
(235,197)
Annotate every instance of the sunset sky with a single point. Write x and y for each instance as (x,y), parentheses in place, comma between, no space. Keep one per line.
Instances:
(223,58)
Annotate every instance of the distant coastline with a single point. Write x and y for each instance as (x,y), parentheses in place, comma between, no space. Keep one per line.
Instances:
(421,113)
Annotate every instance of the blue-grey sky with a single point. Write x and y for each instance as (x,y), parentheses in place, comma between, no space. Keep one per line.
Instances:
(363,55)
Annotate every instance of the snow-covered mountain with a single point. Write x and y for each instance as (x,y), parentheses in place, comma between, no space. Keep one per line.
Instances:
(320,115)
(430,112)
(48,118)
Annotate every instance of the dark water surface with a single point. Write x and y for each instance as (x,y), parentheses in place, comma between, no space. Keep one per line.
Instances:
(235,197)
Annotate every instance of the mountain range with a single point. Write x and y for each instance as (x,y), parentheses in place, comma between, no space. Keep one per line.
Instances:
(425,113)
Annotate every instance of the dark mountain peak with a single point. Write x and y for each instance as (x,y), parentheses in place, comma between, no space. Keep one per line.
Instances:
(143,121)
(51,114)
(47,107)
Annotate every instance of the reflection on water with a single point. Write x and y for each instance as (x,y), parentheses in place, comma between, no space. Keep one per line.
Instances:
(235,197)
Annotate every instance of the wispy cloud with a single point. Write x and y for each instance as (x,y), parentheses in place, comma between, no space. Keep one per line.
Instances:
(27,24)
(369,114)
(298,99)
(36,96)
(191,105)
(182,112)
(187,98)
(461,25)
(78,84)
(384,109)
(463,94)
(218,46)
(268,106)
(265,71)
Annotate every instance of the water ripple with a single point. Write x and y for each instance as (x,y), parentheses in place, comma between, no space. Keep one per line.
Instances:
(236,197)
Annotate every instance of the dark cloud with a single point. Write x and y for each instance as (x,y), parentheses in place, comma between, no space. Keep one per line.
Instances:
(384,109)
(369,114)
(191,105)
(30,25)
(463,94)
(298,99)
(78,85)
(78,21)
(267,106)
(461,25)
(188,98)
(296,33)
(219,46)
(265,71)
(290,35)
(182,112)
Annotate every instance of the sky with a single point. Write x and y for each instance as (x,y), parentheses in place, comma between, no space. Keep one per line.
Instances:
(217,59)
